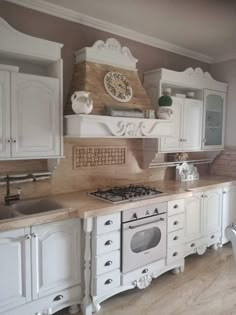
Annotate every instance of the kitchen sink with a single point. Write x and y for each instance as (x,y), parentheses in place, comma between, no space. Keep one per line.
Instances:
(7,213)
(29,207)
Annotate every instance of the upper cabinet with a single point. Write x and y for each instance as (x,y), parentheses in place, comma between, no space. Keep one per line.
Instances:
(31,107)
(198,117)
(214,118)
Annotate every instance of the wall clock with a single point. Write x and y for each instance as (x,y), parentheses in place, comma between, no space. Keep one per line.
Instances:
(118,86)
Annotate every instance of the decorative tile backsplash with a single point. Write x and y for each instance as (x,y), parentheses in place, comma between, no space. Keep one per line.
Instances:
(84,156)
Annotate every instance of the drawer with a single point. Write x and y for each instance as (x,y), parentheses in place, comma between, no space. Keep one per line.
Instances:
(175,207)
(107,262)
(175,238)
(107,223)
(175,254)
(176,222)
(107,243)
(106,282)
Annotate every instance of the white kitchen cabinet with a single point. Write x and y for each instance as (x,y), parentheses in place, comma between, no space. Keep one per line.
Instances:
(15,269)
(214,120)
(35,116)
(55,257)
(5,133)
(193,217)
(187,133)
(212,205)
(229,210)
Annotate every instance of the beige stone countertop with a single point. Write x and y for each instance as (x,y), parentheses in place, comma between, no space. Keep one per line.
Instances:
(80,204)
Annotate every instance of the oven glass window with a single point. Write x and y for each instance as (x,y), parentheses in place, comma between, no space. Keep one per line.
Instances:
(146,239)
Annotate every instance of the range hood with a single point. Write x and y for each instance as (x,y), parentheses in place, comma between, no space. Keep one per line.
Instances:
(92,64)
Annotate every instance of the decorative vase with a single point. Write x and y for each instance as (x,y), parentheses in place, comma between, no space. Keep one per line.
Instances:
(82,102)
(164,112)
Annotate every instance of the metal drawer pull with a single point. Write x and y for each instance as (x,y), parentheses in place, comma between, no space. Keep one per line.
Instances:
(145,270)
(193,245)
(34,235)
(109,281)
(108,242)
(58,298)
(176,223)
(176,206)
(213,236)
(175,254)
(137,226)
(109,222)
(108,263)
(27,236)
(175,238)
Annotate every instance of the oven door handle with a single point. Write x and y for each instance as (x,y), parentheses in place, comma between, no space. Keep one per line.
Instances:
(132,227)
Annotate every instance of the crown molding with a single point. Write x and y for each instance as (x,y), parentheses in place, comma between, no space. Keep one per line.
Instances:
(224,58)
(67,14)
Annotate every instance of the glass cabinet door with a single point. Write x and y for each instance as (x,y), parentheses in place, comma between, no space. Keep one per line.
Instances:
(214,119)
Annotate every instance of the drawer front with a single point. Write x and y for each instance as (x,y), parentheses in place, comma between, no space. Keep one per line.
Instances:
(107,243)
(176,222)
(128,215)
(175,254)
(175,207)
(176,238)
(107,223)
(106,282)
(213,238)
(107,262)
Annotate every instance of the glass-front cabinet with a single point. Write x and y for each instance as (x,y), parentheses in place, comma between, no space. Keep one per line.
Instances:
(214,120)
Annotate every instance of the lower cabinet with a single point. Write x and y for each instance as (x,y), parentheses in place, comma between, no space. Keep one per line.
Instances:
(202,221)
(38,262)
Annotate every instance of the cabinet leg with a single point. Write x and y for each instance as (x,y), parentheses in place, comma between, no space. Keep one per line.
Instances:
(87,309)
(215,246)
(175,271)
(181,268)
(96,307)
(74,309)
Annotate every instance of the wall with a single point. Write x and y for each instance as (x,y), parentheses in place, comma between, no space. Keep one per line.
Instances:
(226,72)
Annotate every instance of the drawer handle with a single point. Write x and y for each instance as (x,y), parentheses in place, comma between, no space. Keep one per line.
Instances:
(193,245)
(58,298)
(213,236)
(109,281)
(145,270)
(108,243)
(176,223)
(175,238)
(175,254)
(109,222)
(176,206)
(108,263)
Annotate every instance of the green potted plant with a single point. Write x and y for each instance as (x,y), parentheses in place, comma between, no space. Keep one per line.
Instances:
(164,110)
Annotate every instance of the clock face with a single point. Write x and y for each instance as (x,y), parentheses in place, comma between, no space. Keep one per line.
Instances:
(118,86)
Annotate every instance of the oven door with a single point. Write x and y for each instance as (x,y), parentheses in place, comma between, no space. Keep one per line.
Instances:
(143,242)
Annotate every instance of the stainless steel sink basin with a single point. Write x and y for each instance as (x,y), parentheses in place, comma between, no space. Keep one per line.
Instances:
(36,206)
(7,213)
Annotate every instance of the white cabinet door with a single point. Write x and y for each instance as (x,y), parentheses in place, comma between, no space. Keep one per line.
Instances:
(15,269)
(212,211)
(173,143)
(193,217)
(5,133)
(35,110)
(229,209)
(55,257)
(192,125)
(214,120)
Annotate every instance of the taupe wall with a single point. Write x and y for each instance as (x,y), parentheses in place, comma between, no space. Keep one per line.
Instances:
(75,36)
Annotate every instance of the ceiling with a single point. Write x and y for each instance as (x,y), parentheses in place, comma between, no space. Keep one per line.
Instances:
(204,27)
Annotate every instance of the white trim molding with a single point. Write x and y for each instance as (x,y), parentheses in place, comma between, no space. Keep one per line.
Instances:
(67,14)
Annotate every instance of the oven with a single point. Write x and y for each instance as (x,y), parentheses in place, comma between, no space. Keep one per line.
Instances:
(143,236)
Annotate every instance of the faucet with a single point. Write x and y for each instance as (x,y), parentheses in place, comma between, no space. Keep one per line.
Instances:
(8,197)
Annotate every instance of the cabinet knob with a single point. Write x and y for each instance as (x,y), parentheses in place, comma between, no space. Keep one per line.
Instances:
(14,141)
(145,270)
(58,297)
(27,236)
(9,140)
(176,223)
(175,254)
(108,281)
(175,238)
(224,192)
(193,245)
(109,222)
(213,236)
(108,263)
(34,235)
(176,206)
(109,242)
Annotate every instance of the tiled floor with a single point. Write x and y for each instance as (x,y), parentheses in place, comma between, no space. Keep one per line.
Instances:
(207,287)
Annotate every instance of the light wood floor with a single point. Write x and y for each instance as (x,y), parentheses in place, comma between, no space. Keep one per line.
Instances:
(207,287)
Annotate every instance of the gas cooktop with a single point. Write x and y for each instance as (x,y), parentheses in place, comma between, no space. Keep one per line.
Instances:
(126,193)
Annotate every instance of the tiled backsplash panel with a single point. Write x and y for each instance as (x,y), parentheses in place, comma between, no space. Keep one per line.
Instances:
(225,163)
(84,156)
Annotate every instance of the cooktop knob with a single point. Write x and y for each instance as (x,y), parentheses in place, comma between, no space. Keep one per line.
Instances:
(135,216)
(156,211)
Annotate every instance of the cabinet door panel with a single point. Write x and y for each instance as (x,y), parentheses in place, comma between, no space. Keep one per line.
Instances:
(212,211)
(193,218)
(35,116)
(15,288)
(192,125)
(5,134)
(55,257)
(173,143)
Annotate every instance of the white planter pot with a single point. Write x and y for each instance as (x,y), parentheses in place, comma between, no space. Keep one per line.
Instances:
(164,112)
